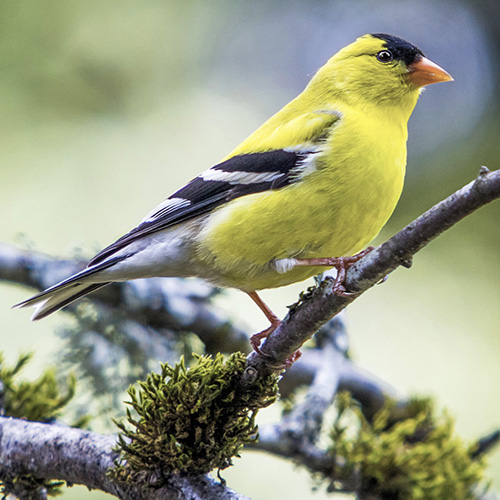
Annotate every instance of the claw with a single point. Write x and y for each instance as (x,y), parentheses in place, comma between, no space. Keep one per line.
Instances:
(292,358)
(256,339)
(288,362)
(383,280)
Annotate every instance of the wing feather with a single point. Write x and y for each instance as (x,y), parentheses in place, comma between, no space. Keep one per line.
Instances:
(237,176)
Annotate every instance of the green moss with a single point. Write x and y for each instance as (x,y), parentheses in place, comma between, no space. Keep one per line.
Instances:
(39,400)
(403,454)
(190,420)
(27,486)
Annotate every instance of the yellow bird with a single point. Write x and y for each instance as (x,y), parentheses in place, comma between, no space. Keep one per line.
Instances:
(315,183)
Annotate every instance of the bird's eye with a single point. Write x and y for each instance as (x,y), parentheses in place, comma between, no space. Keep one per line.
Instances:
(385,56)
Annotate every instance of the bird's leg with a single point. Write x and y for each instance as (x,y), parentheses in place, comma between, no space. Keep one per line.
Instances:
(256,339)
(341,264)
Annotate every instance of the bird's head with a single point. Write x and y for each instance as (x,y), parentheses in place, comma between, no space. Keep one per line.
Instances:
(380,69)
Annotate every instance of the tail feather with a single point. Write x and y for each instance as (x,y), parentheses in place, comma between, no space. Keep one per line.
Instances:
(69,290)
(58,297)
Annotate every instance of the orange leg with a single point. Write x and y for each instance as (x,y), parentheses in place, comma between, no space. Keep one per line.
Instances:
(341,264)
(256,339)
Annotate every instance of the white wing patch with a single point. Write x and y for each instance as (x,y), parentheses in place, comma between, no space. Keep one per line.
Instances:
(307,164)
(239,177)
(166,207)
(305,148)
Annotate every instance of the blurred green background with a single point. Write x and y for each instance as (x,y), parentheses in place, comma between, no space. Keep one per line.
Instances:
(107,107)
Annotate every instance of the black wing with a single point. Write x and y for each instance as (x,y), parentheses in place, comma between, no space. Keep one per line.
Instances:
(238,176)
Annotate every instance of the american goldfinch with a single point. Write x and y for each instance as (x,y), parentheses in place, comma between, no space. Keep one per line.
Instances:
(315,183)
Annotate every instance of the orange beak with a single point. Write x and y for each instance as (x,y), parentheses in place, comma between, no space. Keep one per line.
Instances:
(424,72)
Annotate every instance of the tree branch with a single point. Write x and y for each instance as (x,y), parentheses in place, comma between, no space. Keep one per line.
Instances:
(296,435)
(82,457)
(300,429)
(322,304)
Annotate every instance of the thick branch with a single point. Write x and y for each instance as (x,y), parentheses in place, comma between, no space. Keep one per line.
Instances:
(54,452)
(323,304)
(82,457)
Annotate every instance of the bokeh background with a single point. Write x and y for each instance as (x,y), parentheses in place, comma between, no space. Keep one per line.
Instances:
(108,106)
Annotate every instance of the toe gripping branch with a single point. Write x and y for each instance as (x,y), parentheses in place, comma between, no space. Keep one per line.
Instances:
(341,264)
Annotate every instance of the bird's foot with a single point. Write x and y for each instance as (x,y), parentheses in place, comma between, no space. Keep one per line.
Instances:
(292,358)
(256,339)
(341,264)
(288,361)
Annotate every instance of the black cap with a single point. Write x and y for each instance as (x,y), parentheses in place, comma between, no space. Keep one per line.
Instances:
(401,49)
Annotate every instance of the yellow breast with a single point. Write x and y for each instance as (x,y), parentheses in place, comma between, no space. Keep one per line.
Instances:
(336,210)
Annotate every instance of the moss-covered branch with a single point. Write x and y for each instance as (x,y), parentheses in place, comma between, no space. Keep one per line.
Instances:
(190,421)
(82,457)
